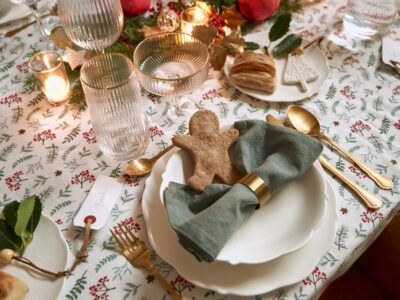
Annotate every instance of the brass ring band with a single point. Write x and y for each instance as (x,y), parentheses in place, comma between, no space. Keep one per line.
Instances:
(258,186)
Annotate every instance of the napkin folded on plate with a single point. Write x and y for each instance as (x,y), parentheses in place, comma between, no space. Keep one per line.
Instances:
(204,221)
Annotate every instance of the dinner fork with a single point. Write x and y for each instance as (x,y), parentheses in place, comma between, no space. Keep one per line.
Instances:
(138,255)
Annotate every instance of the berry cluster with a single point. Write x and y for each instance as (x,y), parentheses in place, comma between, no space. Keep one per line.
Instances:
(130,223)
(23,68)
(82,177)
(14,182)
(348,93)
(370,216)
(89,136)
(359,126)
(217,22)
(350,60)
(14,98)
(212,95)
(100,290)
(131,180)
(316,276)
(44,136)
(154,131)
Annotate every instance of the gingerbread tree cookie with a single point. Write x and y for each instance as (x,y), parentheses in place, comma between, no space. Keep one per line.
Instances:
(209,149)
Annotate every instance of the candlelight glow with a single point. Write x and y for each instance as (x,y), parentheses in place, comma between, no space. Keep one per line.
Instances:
(56,89)
(191,17)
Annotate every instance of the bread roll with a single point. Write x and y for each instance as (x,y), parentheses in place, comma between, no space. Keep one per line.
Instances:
(254,71)
(11,288)
(253,61)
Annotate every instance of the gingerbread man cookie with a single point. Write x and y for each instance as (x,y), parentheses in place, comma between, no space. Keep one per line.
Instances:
(209,149)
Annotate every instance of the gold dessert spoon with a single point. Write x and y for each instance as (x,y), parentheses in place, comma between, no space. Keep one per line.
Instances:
(370,200)
(307,123)
(143,166)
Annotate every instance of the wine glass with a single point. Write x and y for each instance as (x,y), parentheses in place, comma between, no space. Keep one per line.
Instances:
(33,5)
(171,64)
(91,24)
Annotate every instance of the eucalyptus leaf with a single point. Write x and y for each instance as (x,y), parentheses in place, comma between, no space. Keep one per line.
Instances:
(288,45)
(8,238)
(36,214)
(10,213)
(280,27)
(24,213)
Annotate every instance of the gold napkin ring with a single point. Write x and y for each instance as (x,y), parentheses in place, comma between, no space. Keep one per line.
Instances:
(258,186)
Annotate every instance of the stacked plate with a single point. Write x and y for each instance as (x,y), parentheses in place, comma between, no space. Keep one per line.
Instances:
(279,245)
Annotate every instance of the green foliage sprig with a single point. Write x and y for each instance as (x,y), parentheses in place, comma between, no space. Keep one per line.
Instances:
(19,223)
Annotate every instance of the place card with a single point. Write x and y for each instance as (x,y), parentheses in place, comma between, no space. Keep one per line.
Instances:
(99,202)
(390,51)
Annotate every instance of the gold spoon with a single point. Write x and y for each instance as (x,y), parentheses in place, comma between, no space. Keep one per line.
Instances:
(370,200)
(307,123)
(143,166)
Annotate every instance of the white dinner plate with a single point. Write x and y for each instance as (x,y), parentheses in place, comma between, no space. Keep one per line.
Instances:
(47,250)
(17,12)
(274,229)
(313,56)
(223,277)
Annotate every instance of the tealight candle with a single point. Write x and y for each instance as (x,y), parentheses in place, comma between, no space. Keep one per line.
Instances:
(49,70)
(191,17)
(56,89)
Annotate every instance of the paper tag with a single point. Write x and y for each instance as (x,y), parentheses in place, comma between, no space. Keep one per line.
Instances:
(390,51)
(99,202)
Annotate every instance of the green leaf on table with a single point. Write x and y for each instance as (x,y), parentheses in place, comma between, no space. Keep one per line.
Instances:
(288,45)
(10,213)
(24,214)
(8,238)
(251,46)
(280,27)
(36,214)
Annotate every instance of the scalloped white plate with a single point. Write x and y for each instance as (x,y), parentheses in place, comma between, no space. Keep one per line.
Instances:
(223,277)
(47,250)
(285,224)
(313,56)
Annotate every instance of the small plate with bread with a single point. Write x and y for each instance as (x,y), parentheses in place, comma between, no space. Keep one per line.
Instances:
(262,76)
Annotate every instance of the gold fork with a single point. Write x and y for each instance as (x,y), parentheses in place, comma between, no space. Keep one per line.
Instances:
(138,255)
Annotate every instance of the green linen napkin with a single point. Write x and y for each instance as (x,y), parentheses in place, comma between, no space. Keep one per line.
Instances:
(204,221)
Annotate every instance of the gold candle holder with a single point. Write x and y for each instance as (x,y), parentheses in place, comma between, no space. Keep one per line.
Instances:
(191,17)
(49,70)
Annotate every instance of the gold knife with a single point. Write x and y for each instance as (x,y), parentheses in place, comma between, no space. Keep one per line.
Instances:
(369,199)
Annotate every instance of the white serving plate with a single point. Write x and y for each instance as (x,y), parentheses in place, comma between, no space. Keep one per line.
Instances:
(272,230)
(47,250)
(313,56)
(223,277)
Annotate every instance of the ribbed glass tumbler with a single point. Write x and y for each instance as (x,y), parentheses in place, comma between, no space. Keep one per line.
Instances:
(115,106)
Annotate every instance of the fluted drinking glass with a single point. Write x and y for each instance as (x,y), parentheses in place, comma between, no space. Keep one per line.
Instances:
(115,105)
(171,64)
(91,24)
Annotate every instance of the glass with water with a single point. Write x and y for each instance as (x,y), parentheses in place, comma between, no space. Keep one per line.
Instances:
(368,18)
(116,107)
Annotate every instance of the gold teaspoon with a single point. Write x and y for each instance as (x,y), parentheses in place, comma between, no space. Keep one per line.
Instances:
(370,200)
(143,166)
(307,123)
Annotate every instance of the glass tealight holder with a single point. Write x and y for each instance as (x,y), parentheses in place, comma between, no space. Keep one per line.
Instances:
(48,67)
(191,17)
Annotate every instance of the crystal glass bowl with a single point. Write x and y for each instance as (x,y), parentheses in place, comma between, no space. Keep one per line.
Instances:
(171,64)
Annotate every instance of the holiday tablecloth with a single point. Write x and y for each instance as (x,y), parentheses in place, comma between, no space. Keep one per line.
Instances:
(52,152)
